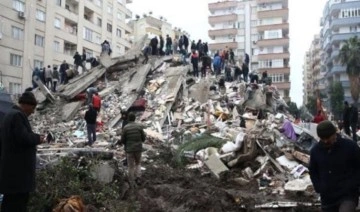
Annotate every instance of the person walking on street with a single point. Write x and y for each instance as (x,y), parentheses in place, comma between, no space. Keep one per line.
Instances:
(55,78)
(18,155)
(96,101)
(132,137)
(335,170)
(346,118)
(90,118)
(354,121)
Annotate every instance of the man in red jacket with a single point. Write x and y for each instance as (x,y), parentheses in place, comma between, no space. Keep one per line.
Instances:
(96,101)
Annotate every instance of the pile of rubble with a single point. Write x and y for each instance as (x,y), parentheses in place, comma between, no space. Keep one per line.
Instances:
(254,156)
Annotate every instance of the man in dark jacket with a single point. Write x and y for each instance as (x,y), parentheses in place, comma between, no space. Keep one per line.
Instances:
(63,67)
(90,118)
(77,61)
(132,137)
(18,155)
(168,45)
(335,169)
(354,120)
(161,47)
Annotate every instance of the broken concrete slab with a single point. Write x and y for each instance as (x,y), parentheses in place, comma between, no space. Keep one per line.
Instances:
(69,110)
(103,172)
(83,82)
(216,166)
(46,92)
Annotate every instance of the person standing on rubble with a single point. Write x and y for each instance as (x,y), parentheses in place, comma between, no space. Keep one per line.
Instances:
(168,45)
(89,94)
(319,117)
(346,118)
(18,155)
(195,62)
(96,101)
(55,78)
(63,67)
(90,118)
(335,169)
(132,137)
(48,77)
(146,51)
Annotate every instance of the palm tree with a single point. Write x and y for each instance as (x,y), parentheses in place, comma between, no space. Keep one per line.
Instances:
(350,56)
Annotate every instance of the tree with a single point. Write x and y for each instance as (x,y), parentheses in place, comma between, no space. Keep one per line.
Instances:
(350,56)
(337,99)
(311,105)
(293,109)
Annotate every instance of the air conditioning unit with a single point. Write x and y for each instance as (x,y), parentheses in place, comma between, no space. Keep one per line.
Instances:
(21,15)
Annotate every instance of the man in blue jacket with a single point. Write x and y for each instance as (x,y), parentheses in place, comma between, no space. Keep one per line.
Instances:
(335,169)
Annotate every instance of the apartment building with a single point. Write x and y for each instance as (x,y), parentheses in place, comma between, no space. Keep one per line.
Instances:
(259,28)
(340,22)
(37,33)
(313,77)
(152,26)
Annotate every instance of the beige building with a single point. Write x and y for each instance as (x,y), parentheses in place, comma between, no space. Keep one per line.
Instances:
(314,78)
(148,24)
(259,28)
(37,33)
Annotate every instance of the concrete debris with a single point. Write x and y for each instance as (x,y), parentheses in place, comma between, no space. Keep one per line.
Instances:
(174,108)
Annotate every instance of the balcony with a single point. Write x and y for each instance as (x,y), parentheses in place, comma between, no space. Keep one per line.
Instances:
(338,69)
(222,18)
(217,46)
(342,37)
(273,42)
(334,54)
(262,28)
(269,1)
(282,85)
(336,7)
(284,13)
(70,48)
(284,70)
(222,5)
(222,32)
(339,22)
(272,56)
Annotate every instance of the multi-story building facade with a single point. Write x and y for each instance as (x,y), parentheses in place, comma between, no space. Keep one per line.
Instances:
(259,28)
(340,22)
(37,33)
(148,24)
(307,81)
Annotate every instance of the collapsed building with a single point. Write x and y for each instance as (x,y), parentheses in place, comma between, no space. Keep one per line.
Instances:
(252,155)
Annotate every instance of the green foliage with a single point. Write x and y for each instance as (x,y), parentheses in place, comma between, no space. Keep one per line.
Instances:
(311,105)
(293,109)
(350,56)
(195,145)
(337,99)
(68,178)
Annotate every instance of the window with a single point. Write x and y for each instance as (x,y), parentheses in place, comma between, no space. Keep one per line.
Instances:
(40,15)
(241,25)
(15,60)
(109,9)
(38,64)
(277,78)
(99,22)
(89,53)
(39,40)
(56,46)
(109,27)
(118,33)
(253,23)
(57,23)
(118,15)
(350,12)
(97,39)
(19,5)
(58,2)
(98,3)
(353,28)
(17,33)
(88,34)
(15,88)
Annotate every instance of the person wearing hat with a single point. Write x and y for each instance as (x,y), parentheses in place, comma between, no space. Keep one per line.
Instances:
(335,169)
(18,154)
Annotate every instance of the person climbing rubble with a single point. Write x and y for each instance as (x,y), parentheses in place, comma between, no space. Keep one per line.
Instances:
(132,137)
(90,118)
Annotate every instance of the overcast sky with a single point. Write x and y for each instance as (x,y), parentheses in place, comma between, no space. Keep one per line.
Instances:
(192,16)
